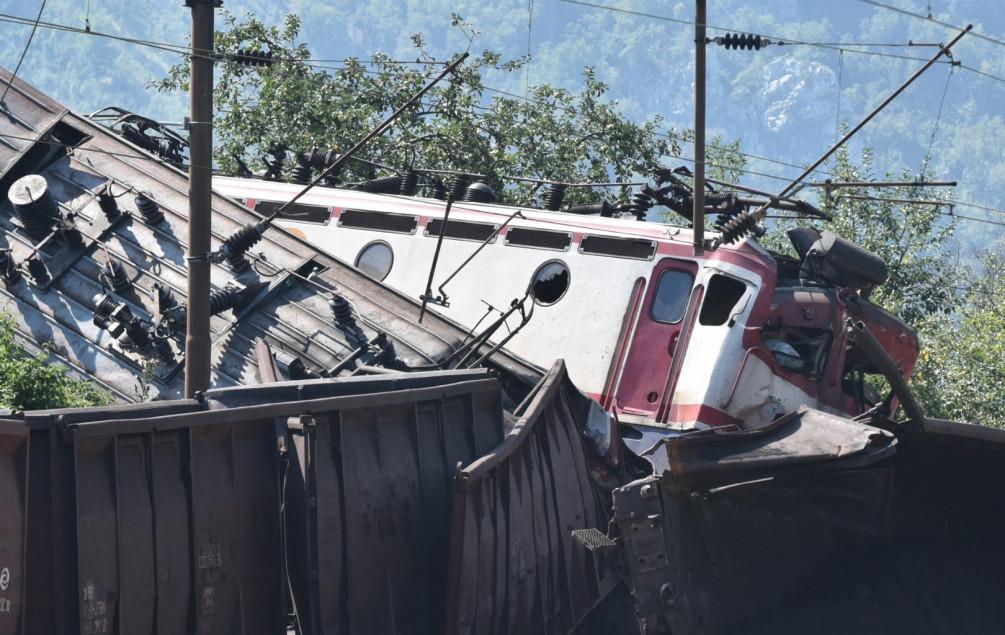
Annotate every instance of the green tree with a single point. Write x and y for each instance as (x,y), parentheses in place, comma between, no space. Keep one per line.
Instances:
(962,366)
(31,382)
(298,104)
(902,226)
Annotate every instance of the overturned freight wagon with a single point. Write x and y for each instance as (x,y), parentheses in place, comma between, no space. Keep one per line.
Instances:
(408,503)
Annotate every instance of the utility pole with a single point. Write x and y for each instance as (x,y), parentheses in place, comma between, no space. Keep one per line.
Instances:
(698,213)
(200,174)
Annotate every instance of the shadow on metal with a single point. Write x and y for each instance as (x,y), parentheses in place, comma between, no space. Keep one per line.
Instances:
(820,524)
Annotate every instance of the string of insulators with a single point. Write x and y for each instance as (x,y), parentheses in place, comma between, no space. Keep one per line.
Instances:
(641,203)
(342,311)
(223,299)
(149,209)
(34,205)
(742,41)
(252,57)
(114,274)
(409,183)
(301,173)
(439,190)
(737,227)
(479,192)
(457,187)
(109,206)
(237,245)
(383,185)
(108,311)
(555,196)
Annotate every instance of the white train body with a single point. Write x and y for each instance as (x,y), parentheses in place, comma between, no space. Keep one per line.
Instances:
(646,328)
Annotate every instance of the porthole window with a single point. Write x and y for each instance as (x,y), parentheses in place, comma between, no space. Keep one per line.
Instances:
(375,259)
(550,282)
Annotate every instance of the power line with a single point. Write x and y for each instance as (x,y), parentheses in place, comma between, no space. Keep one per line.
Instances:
(929,18)
(841,47)
(184,49)
(23,52)
(781,40)
(161,162)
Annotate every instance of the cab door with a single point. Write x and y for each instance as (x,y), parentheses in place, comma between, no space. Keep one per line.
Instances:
(653,345)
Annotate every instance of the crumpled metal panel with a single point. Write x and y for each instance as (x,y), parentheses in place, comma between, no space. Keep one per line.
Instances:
(803,436)
(13,524)
(514,567)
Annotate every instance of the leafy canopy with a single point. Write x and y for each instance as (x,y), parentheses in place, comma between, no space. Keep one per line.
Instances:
(460,125)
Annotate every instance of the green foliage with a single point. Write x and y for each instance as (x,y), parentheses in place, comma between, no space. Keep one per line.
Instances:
(961,372)
(30,382)
(555,134)
(913,237)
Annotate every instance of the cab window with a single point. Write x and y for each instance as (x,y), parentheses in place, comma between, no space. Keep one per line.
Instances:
(672,293)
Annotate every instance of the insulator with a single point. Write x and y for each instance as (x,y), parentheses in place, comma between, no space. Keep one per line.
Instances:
(252,57)
(479,192)
(274,169)
(109,311)
(555,197)
(409,183)
(385,354)
(458,185)
(114,273)
(149,209)
(641,203)
(70,234)
(301,174)
(105,305)
(164,296)
(342,311)
(223,299)
(34,204)
(137,333)
(742,41)
(603,208)
(737,227)
(8,269)
(163,347)
(439,190)
(383,185)
(238,244)
(38,271)
(318,159)
(109,206)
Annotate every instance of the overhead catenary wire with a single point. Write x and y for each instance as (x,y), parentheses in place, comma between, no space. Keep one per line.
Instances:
(931,18)
(848,48)
(935,126)
(24,52)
